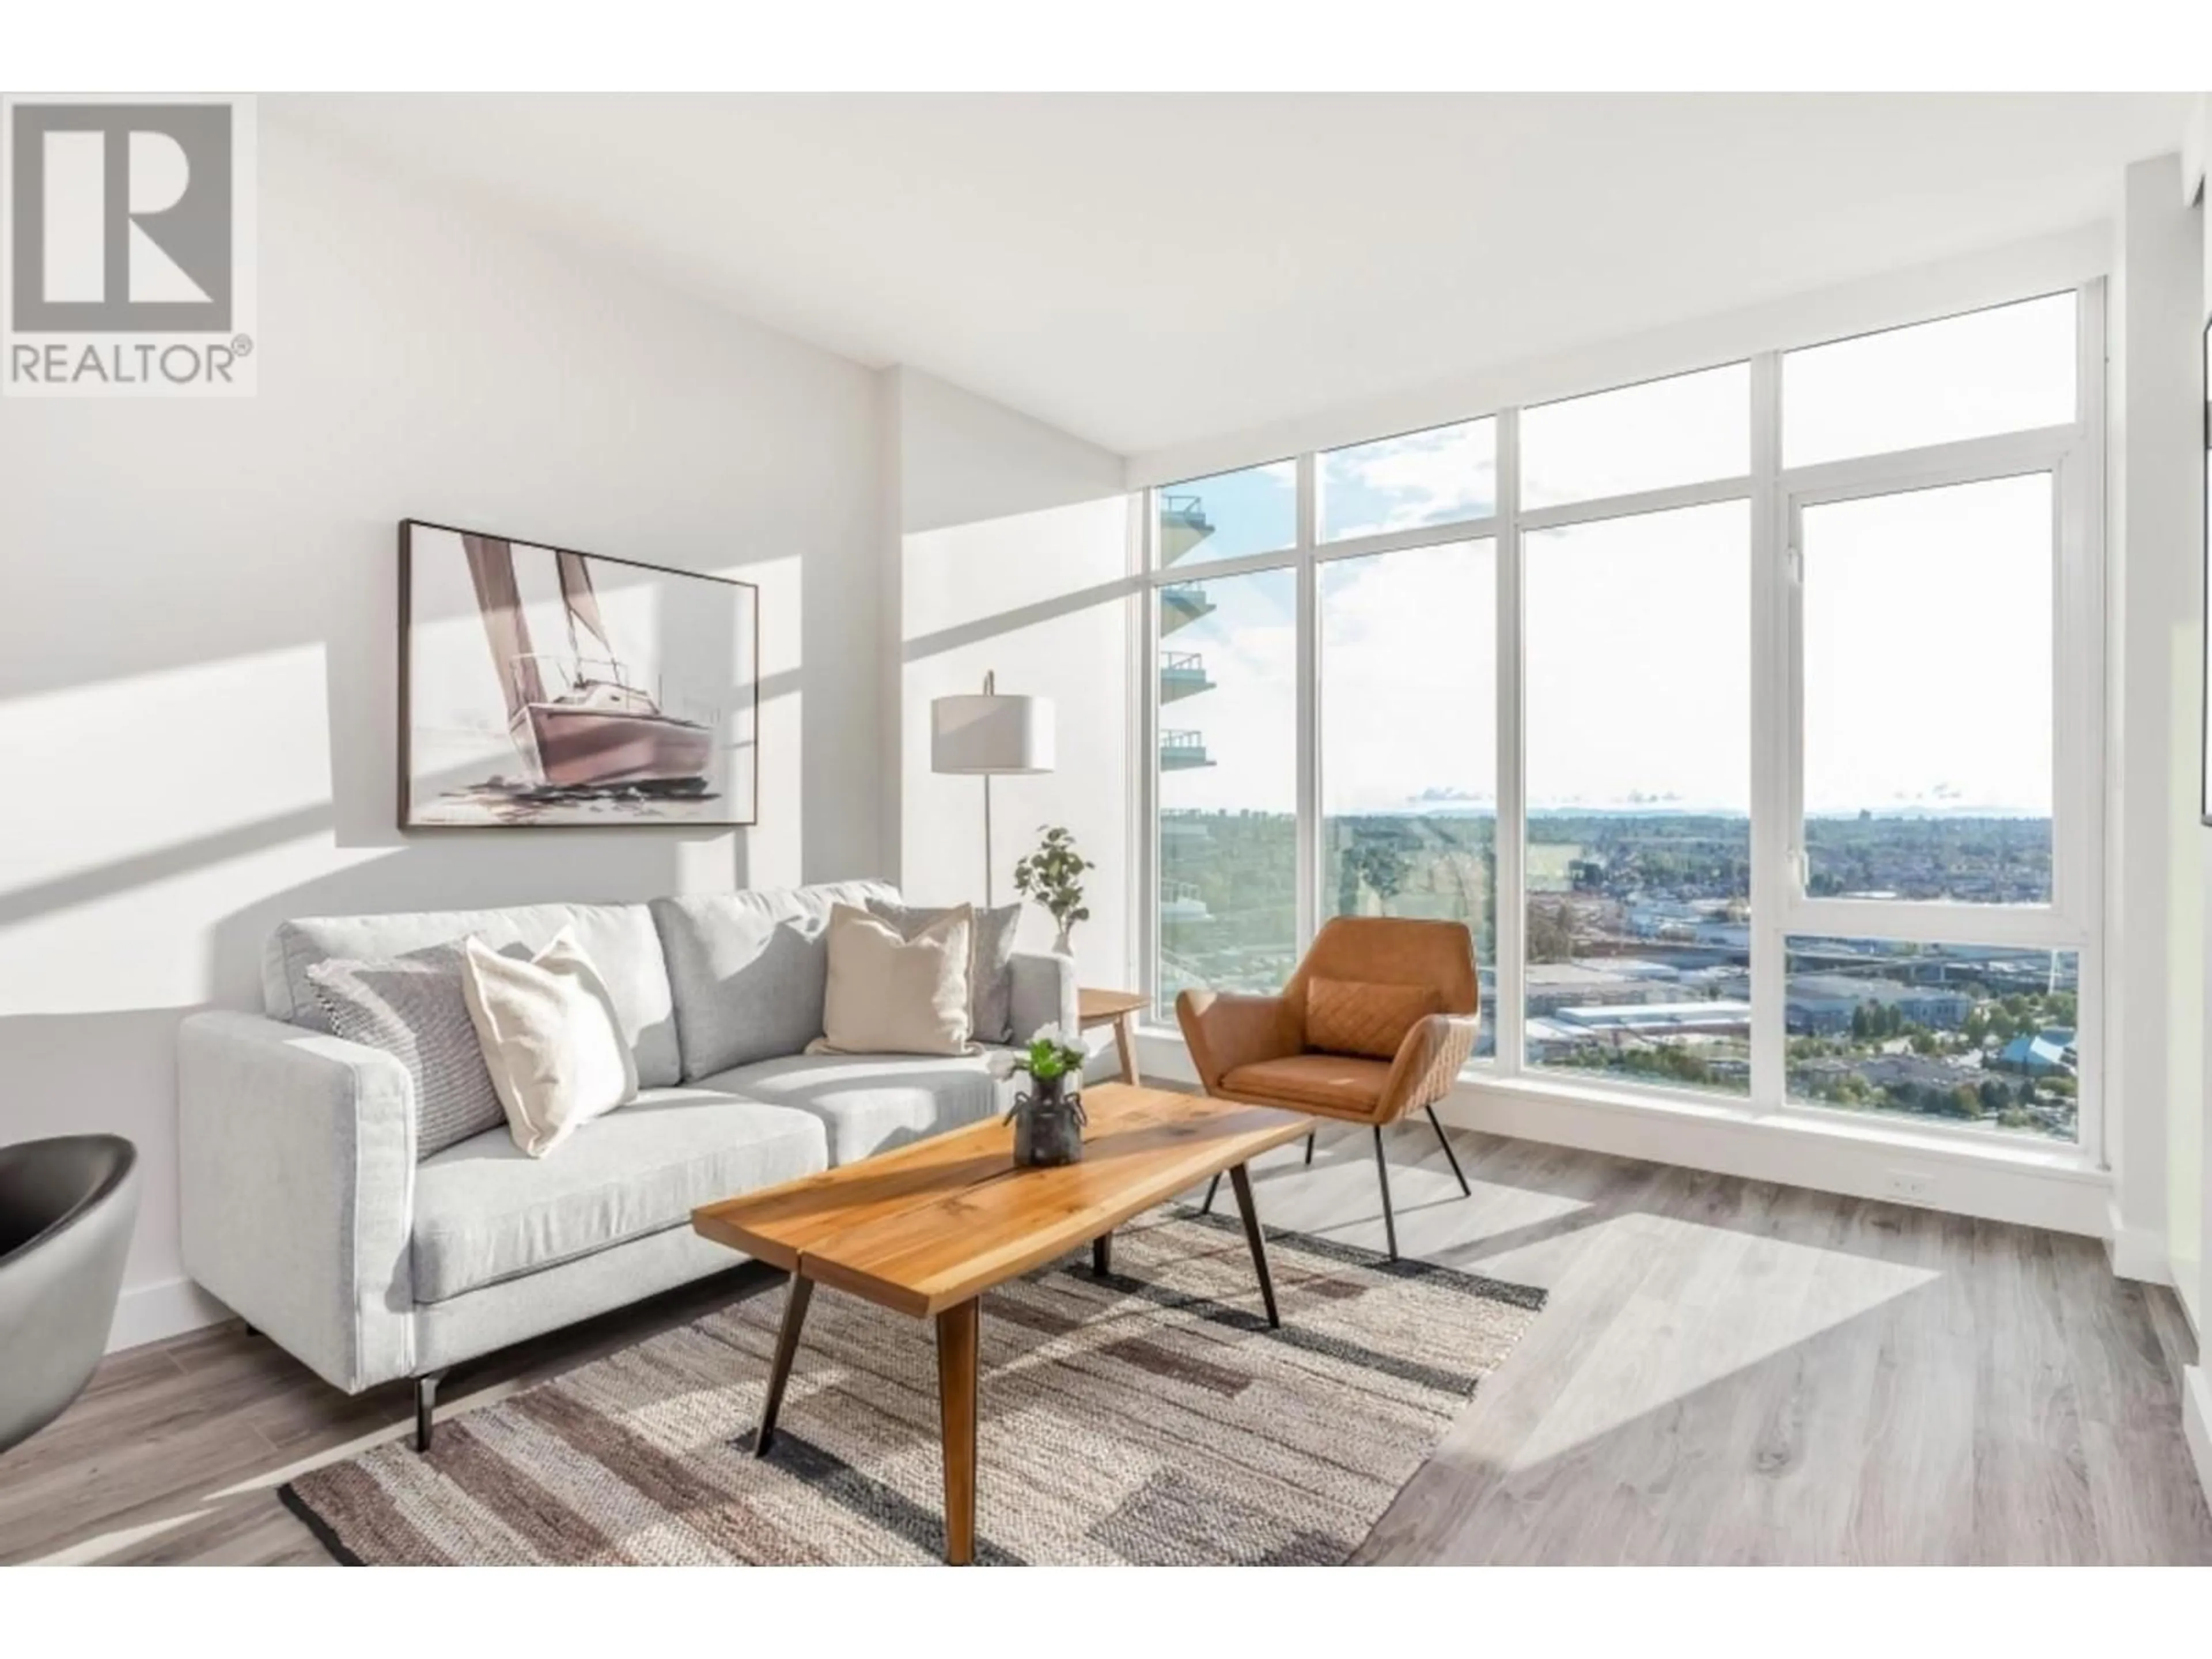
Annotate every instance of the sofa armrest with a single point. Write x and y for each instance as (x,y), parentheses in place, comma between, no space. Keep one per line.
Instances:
(296,1175)
(1043,993)
(1225,1029)
(1428,1064)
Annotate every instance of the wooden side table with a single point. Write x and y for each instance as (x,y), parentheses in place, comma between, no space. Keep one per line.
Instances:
(1118,1009)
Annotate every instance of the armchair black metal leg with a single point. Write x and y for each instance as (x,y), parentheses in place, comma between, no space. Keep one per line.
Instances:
(425,1401)
(1458,1174)
(1382,1172)
(1213,1187)
(1310,1142)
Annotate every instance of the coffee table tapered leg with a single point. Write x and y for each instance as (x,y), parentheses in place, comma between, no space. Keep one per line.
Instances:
(787,1344)
(956,1332)
(1254,1238)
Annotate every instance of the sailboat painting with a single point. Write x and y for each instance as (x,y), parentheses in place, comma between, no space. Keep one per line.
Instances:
(542,687)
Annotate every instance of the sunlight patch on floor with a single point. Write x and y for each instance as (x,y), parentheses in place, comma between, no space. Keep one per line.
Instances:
(1747,1300)
(91,1551)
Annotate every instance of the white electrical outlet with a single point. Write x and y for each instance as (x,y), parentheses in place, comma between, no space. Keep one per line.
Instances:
(1910,1187)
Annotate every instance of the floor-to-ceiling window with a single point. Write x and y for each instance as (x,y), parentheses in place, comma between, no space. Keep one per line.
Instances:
(1941,609)
(1637,661)
(1409,800)
(1227,744)
(1225,738)
(1747,716)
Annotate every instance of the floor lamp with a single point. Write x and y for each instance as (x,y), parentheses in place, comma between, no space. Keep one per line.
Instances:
(990,736)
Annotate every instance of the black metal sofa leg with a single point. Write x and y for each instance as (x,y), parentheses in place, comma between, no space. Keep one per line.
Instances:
(425,1401)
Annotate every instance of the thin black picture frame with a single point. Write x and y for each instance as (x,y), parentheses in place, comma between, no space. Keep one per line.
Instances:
(405,630)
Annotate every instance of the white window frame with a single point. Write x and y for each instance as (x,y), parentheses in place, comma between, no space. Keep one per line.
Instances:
(2072,455)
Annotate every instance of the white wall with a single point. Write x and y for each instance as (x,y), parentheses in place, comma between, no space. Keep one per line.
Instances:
(1012,555)
(2192,1198)
(2155,977)
(1044,600)
(197,649)
(964,458)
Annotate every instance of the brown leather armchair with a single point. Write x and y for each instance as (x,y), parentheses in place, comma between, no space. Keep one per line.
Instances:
(1375,1023)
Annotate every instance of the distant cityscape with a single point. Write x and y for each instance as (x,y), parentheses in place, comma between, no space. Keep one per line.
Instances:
(1639,946)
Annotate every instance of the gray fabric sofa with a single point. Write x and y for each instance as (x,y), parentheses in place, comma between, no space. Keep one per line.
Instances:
(306,1210)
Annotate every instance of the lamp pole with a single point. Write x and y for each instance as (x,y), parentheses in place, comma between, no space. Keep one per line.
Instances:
(990,690)
(987,899)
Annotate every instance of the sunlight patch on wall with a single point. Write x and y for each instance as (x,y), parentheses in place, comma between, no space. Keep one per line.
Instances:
(123,767)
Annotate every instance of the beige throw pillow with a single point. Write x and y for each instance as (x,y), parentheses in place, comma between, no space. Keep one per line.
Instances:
(890,995)
(550,1039)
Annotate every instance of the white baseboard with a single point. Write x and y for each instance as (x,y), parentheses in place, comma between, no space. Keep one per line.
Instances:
(1163,1056)
(2024,1184)
(2197,1422)
(2137,1253)
(1856,1161)
(147,1313)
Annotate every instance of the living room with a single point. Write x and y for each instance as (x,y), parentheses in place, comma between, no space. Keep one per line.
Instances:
(1391,828)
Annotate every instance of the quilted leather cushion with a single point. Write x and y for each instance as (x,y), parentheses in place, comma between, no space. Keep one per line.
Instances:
(1349,1017)
(1336,1084)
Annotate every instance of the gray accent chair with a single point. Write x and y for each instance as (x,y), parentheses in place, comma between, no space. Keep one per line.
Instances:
(67,1207)
(308,1211)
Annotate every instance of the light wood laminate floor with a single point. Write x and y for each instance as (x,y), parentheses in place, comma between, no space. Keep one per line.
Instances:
(1728,1371)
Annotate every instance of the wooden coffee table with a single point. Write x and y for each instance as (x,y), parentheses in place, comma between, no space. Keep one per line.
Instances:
(926,1230)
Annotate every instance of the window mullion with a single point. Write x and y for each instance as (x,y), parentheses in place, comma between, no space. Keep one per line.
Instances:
(1145,757)
(1307,858)
(2080,804)
(1509,831)
(1773,736)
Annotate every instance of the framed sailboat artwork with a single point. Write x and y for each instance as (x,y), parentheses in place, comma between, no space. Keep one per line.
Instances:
(542,688)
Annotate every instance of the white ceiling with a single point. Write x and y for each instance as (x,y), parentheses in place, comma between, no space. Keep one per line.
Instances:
(1145,270)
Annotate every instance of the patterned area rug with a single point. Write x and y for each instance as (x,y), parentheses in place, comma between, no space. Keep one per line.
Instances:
(1147,1418)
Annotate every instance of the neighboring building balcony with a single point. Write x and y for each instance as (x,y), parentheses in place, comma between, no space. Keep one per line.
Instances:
(1182,674)
(1185,832)
(1182,751)
(1180,902)
(1183,526)
(1183,604)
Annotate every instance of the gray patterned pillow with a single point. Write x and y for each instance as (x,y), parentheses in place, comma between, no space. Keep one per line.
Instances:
(412,1007)
(990,962)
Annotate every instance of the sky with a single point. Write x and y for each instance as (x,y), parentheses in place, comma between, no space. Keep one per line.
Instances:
(1928,655)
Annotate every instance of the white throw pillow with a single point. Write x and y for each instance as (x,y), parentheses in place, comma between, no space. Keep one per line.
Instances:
(890,995)
(550,1039)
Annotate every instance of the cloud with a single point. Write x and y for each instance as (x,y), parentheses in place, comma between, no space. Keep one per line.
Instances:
(1402,484)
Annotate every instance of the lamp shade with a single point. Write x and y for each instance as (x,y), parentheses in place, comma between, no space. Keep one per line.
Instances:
(990,734)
